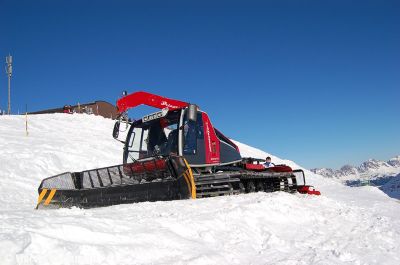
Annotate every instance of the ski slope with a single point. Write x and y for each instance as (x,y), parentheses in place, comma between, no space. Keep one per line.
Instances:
(342,226)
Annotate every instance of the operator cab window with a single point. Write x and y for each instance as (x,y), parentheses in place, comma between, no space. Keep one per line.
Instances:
(192,131)
(156,137)
(137,145)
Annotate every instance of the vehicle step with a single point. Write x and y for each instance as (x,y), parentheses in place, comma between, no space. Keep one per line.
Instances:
(216,193)
(211,179)
(222,176)
(216,181)
(212,187)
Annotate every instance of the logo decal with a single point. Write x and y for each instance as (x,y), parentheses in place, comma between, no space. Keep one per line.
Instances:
(155,115)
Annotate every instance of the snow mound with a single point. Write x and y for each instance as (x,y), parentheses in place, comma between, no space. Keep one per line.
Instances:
(343,226)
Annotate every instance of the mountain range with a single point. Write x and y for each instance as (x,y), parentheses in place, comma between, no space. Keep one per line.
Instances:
(383,174)
(371,167)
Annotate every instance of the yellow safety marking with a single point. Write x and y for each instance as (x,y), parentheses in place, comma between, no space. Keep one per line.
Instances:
(41,195)
(51,195)
(187,182)
(191,178)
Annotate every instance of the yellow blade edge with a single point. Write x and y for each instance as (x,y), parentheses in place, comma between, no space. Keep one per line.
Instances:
(41,196)
(51,195)
(191,179)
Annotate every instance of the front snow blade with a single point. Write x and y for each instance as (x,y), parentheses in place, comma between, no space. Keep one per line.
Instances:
(155,179)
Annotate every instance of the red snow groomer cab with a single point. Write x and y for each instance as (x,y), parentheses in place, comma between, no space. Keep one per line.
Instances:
(175,153)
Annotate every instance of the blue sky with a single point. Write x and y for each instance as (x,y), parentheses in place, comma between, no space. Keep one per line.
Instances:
(317,82)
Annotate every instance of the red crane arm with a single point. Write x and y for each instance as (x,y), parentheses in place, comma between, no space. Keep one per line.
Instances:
(152,100)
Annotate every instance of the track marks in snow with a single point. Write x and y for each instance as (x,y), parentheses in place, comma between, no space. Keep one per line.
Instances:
(260,228)
(343,226)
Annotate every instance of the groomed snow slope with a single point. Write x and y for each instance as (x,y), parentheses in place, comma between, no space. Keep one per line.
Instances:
(343,226)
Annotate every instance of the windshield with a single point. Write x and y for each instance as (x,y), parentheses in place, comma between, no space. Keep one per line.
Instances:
(156,137)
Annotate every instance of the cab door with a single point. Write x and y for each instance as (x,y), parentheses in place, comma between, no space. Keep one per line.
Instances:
(199,143)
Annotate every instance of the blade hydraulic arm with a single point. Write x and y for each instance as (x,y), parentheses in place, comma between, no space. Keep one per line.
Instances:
(152,100)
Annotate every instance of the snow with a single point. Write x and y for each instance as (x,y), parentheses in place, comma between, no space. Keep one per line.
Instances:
(345,225)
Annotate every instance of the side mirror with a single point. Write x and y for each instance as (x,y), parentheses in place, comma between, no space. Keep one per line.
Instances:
(116,130)
(191,112)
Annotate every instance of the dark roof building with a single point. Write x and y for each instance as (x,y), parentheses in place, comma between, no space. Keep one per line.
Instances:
(102,108)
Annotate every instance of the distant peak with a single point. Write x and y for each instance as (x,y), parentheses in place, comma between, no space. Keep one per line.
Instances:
(395,158)
(347,167)
(395,161)
(370,166)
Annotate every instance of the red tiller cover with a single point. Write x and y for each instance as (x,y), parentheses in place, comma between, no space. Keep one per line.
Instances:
(254,167)
(308,190)
(141,167)
(280,168)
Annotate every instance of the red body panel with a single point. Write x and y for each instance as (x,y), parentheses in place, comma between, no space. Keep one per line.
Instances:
(144,98)
(211,141)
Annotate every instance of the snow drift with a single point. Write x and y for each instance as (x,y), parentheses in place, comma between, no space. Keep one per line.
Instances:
(343,226)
